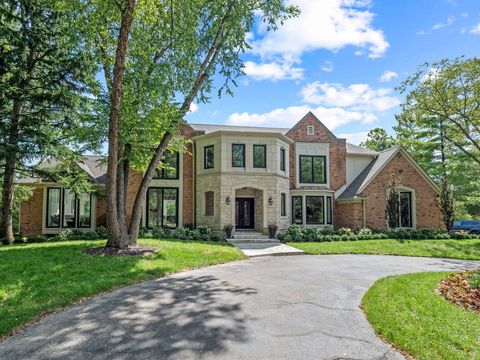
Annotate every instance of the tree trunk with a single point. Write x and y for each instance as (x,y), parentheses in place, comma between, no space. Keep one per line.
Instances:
(117,237)
(6,213)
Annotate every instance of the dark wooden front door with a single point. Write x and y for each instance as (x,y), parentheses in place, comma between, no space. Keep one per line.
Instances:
(244,213)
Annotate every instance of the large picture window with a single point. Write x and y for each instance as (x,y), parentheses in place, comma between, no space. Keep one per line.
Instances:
(313,169)
(315,210)
(260,156)
(238,155)
(67,210)
(406,209)
(208,157)
(170,169)
(297,210)
(162,207)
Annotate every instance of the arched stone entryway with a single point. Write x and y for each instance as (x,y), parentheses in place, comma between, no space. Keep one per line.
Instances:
(249,209)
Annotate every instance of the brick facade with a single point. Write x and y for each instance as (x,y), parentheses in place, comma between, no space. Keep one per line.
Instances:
(349,215)
(31,213)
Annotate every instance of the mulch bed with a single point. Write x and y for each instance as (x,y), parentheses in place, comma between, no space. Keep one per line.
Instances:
(456,288)
(130,251)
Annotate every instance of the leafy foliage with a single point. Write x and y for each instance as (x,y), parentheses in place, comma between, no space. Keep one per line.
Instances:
(392,208)
(378,140)
(446,204)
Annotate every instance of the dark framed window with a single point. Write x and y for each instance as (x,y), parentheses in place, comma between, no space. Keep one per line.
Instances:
(315,210)
(329,210)
(313,169)
(282,159)
(406,209)
(209,203)
(208,157)
(238,155)
(297,210)
(170,170)
(260,156)
(54,197)
(162,207)
(84,211)
(283,204)
(69,209)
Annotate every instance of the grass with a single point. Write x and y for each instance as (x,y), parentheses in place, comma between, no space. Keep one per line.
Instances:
(39,278)
(454,249)
(406,311)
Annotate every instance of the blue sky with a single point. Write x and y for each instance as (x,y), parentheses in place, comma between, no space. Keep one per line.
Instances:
(342,59)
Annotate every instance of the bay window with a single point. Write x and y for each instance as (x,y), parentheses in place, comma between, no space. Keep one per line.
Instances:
(297,210)
(238,155)
(315,210)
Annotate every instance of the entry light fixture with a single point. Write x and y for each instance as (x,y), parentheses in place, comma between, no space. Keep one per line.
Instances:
(228,200)
(270,200)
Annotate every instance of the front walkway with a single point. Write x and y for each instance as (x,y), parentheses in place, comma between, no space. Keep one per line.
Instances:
(295,307)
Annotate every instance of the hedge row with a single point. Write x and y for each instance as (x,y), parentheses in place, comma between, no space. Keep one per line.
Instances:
(296,233)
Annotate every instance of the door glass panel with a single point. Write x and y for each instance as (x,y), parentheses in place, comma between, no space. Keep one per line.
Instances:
(170,208)
(84,211)
(154,208)
(53,206)
(68,209)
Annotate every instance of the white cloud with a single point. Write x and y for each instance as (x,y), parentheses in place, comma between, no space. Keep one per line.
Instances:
(327,66)
(193,108)
(287,117)
(450,21)
(475,30)
(355,138)
(356,97)
(325,24)
(273,71)
(388,76)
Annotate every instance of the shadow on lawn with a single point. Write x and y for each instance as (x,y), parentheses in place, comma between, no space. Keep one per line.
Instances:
(160,319)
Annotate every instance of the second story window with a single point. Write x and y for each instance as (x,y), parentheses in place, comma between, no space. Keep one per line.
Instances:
(170,169)
(260,156)
(313,169)
(282,159)
(209,157)
(238,155)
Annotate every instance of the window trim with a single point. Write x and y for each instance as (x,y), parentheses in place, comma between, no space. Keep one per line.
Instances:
(323,212)
(176,207)
(283,162)
(293,209)
(301,180)
(177,170)
(329,210)
(283,204)
(78,213)
(264,156)
(244,155)
(60,199)
(312,128)
(205,148)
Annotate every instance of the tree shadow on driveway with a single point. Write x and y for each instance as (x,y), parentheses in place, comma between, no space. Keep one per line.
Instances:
(175,317)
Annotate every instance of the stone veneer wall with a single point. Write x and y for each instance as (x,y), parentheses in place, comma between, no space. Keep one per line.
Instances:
(428,213)
(31,212)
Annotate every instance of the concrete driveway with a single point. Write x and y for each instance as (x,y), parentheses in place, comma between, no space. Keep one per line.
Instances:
(297,307)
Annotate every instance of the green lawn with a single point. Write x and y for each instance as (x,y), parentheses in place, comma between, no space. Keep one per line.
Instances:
(38,278)
(406,311)
(454,249)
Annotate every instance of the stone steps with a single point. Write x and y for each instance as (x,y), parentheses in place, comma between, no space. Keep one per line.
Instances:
(252,238)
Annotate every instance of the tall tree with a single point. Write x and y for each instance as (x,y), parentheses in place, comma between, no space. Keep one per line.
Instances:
(158,56)
(43,79)
(378,140)
(440,124)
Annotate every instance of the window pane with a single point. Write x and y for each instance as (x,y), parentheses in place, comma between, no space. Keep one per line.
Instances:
(319,169)
(170,208)
(170,170)
(53,207)
(259,154)
(306,169)
(329,210)
(84,211)
(297,210)
(283,205)
(406,209)
(209,157)
(68,209)
(154,208)
(282,159)
(315,210)
(238,155)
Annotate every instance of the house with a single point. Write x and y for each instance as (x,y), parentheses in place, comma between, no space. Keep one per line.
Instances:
(252,177)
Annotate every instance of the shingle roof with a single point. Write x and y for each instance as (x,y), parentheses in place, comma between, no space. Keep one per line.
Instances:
(358,150)
(368,174)
(95,167)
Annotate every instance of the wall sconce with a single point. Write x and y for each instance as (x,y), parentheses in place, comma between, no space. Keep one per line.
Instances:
(228,200)
(270,200)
